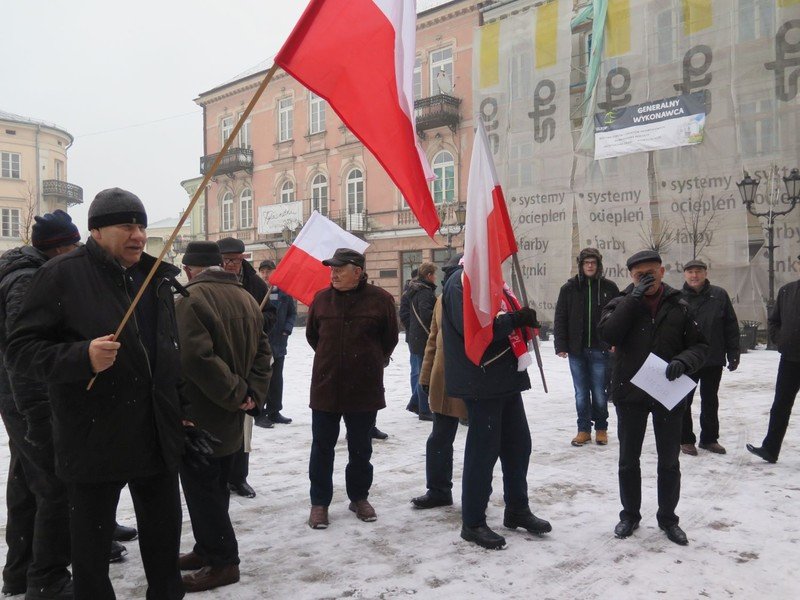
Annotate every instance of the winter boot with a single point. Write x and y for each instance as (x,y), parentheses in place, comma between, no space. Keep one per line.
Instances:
(527,520)
(583,437)
(601,437)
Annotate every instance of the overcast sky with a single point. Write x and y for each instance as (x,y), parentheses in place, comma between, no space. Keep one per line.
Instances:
(122,76)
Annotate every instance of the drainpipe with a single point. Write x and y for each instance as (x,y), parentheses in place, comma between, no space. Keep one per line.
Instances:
(205,191)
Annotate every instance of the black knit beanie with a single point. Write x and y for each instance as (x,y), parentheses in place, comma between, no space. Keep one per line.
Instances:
(115,206)
(54,230)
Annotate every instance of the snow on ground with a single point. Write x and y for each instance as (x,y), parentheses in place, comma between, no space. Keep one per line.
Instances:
(741,514)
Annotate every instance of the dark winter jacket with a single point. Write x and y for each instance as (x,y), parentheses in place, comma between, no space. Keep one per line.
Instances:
(580,303)
(421,300)
(714,312)
(405,308)
(497,376)
(17,268)
(225,355)
(285,314)
(784,321)
(353,334)
(252,282)
(129,424)
(673,334)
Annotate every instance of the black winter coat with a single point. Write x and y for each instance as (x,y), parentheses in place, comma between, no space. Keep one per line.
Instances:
(285,314)
(497,376)
(129,424)
(577,315)
(421,300)
(714,312)
(784,322)
(253,283)
(673,334)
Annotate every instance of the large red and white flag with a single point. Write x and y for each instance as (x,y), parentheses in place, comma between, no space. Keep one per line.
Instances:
(301,273)
(359,56)
(488,241)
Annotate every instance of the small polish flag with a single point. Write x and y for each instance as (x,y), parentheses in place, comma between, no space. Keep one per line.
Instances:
(301,273)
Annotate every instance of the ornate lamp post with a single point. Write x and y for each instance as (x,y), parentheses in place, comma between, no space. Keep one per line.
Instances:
(452,229)
(747,188)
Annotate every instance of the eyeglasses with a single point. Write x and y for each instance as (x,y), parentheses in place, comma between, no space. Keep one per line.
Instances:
(589,261)
(232,261)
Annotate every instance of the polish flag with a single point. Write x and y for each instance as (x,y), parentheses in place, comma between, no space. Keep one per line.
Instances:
(488,241)
(301,273)
(359,55)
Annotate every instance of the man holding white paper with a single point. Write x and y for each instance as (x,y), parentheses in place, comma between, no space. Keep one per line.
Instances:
(649,317)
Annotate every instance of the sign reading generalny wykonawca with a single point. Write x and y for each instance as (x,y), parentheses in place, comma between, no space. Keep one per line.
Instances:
(667,123)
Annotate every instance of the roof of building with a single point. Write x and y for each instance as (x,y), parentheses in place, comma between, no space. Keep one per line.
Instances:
(14,118)
(171,222)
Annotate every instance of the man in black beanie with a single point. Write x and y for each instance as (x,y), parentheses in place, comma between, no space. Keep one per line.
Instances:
(127,427)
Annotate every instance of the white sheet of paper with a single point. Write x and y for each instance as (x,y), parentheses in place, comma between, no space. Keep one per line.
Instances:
(652,378)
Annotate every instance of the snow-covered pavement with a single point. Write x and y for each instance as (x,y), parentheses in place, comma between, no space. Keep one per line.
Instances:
(741,514)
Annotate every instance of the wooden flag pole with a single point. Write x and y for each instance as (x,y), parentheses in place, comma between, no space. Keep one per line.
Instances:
(524,293)
(200,189)
(265,299)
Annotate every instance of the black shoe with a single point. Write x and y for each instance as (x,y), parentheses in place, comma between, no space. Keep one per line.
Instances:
(124,534)
(675,534)
(412,408)
(428,416)
(625,528)
(243,489)
(61,590)
(484,537)
(118,552)
(377,434)
(761,453)
(264,422)
(527,520)
(277,417)
(430,501)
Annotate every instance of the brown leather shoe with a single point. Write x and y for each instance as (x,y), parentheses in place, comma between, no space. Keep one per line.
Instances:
(209,578)
(318,519)
(689,449)
(583,437)
(714,447)
(364,510)
(191,562)
(601,437)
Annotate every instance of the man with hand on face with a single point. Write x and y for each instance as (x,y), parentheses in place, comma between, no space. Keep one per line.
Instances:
(649,317)
(714,313)
(126,429)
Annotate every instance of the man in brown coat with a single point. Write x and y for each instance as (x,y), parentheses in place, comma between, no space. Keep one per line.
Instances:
(352,327)
(226,366)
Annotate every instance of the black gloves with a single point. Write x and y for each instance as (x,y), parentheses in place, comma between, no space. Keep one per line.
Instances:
(675,369)
(525,317)
(197,444)
(733,361)
(39,433)
(641,287)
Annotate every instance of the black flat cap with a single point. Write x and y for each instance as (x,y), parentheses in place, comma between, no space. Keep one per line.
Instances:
(345,256)
(695,264)
(643,256)
(267,264)
(230,245)
(202,254)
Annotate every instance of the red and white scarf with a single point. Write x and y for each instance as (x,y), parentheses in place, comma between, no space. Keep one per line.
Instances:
(521,339)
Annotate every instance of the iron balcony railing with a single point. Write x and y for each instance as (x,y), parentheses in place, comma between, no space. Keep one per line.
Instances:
(235,159)
(441,110)
(71,193)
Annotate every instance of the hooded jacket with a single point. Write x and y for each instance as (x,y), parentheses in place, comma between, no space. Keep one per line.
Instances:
(714,313)
(580,303)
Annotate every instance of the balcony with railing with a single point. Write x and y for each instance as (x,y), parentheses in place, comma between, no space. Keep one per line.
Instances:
(62,191)
(235,159)
(441,110)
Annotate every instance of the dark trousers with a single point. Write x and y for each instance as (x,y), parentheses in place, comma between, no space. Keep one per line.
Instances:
(786,387)
(439,456)
(37,526)
(708,378)
(208,500)
(240,466)
(324,434)
(498,427)
(93,508)
(275,392)
(631,427)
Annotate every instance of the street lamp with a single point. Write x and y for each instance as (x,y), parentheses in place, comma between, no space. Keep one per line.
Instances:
(452,229)
(747,188)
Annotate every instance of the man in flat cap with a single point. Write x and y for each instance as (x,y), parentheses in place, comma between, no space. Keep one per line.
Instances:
(225,361)
(784,330)
(352,327)
(649,317)
(127,428)
(714,313)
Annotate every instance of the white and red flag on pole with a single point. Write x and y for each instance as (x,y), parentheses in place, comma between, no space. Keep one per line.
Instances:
(301,273)
(488,241)
(359,56)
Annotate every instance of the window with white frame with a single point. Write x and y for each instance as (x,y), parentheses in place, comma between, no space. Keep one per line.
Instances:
(203,219)
(244,135)
(59,170)
(521,72)
(246,209)
(319,194)
(520,165)
(226,127)
(316,113)
(444,186)
(355,192)
(10,222)
(417,79)
(441,61)
(287,192)
(285,119)
(10,165)
(756,19)
(227,211)
(758,134)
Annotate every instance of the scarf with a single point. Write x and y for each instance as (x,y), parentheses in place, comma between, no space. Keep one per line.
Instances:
(521,339)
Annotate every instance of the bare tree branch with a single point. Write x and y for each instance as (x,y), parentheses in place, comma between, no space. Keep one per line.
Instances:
(659,238)
(27,214)
(696,229)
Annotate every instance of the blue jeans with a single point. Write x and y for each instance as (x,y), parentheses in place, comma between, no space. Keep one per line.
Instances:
(419,399)
(589,380)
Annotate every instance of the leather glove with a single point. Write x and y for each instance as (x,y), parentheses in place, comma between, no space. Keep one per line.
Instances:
(39,433)
(425,388)
(525,317)
(197,444)
(675,369)
(641,287)
(733,361)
